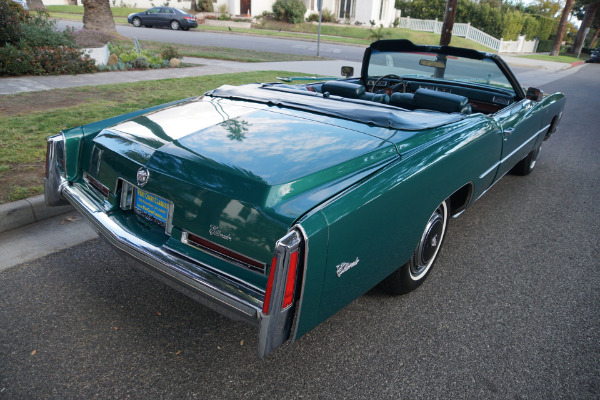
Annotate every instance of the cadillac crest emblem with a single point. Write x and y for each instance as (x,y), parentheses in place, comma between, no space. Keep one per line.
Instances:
(142,176)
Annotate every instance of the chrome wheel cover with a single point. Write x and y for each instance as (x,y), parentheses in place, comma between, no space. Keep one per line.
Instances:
(430,243)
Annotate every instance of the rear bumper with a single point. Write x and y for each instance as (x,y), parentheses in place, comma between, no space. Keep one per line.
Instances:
(225,296)
(204,284)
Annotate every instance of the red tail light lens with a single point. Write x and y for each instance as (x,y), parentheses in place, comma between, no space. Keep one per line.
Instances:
(291,280)
(269,286)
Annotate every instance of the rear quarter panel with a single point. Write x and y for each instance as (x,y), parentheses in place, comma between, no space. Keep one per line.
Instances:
(377,224)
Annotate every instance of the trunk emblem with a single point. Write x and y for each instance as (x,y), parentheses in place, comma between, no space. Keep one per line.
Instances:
(142,176)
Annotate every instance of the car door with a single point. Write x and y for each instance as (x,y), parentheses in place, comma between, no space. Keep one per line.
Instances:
(152,16)
(520,123)
(166,16)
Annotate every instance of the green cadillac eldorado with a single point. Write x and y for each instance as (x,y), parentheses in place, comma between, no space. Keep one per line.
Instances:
(280,204)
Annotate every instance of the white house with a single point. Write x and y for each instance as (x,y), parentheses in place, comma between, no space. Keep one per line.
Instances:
(364,11)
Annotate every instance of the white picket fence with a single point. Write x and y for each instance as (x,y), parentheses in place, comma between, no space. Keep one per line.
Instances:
(471,33)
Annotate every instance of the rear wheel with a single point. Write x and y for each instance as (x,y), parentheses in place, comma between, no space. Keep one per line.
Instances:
(412,274)
(175,25)
(136,22)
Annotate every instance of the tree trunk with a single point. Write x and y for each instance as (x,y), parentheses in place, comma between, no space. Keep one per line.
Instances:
(35,5)
(193,6)
(98,16)
(595,37)
(448,24)
(560,33)
(588,18)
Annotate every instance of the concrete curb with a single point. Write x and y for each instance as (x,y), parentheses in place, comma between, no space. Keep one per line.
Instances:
(576,63)
(23,212)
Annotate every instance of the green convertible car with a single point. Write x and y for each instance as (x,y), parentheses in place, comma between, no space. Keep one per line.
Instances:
(279,204)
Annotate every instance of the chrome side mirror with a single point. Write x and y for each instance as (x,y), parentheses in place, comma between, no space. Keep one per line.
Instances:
(347,71)
(534,94)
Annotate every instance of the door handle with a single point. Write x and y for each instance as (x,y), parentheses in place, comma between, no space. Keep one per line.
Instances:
(508,132)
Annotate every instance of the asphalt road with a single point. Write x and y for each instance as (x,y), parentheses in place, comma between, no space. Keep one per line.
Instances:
(511,310)
(247,42)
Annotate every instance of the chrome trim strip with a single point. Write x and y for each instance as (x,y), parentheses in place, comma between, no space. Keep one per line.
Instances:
(230,259)
(512,152)
(225,296)
(304,268)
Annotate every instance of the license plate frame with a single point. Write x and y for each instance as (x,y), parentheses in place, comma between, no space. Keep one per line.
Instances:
(152,207)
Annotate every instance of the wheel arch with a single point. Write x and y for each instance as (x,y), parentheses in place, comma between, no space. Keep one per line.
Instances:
(460,199)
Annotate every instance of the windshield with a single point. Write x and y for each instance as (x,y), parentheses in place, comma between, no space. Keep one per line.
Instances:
(432,65)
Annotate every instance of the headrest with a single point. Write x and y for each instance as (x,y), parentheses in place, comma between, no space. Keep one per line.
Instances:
(440,101)
(343,89)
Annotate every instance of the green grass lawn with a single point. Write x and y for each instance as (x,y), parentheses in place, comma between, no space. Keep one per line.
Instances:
(562,57)
(28,118)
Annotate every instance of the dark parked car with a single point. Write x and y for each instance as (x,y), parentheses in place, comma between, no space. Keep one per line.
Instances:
(164,16)
(595,56)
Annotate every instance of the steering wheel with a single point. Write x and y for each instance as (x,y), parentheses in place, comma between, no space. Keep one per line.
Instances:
(388,76)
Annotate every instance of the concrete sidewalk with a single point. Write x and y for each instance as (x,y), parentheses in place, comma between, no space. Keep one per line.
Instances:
(205,67)
(23,212)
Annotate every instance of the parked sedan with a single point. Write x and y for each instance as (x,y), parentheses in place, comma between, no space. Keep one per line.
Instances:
(279,205)
(595,56)
(164,16)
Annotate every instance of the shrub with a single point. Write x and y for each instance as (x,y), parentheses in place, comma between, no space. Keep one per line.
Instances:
(14,61)
(545,45)
(141,62)
(205,6)
(44,61)
(291,11)
(41,31)
(10,22)
(168,52)
(326,16)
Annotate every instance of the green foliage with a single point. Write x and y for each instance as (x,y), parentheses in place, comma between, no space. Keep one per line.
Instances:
(41,31)
(44,61)
(506,21)
(141,63)
(169,52)
(425,9)
(545,46)
(326,16)
(378,34)
(546,27)
(10,21)
(291,11)
(205,6)
(531,27)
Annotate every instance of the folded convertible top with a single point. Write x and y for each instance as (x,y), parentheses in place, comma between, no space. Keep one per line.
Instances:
(363,111)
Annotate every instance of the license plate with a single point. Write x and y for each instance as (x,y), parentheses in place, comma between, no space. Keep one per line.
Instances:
(151,206)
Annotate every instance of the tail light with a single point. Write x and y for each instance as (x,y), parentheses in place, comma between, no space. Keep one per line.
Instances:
(283,273)
(190,18)
(282,292)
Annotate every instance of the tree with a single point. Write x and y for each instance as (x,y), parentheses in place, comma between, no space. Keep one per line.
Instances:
(35,5)
(98,16)
(560,32)
(588,17)
(448,24)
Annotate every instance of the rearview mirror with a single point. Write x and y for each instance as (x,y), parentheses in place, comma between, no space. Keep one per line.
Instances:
(534,94)
(347,71)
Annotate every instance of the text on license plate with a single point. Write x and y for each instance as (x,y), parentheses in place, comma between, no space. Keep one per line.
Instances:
(151,206)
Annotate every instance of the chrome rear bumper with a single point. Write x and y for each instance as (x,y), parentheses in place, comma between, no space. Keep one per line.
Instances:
(202,283)
(207,287)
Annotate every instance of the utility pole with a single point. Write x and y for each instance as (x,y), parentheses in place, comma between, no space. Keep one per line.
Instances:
(448,24)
